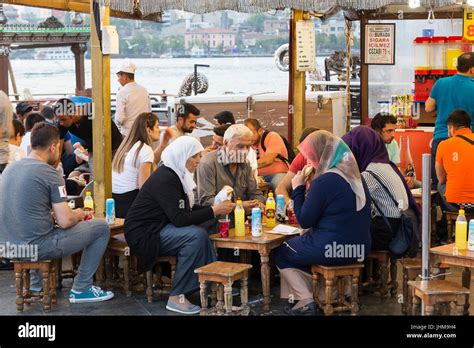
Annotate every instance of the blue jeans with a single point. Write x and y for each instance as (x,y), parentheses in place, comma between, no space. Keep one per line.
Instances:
(193,248)
(273,180)
(434,149)
(91,237)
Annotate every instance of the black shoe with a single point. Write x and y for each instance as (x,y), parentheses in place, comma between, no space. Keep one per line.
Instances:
(309,309)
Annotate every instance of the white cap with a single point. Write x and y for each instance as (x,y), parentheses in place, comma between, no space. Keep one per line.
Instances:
(127,67)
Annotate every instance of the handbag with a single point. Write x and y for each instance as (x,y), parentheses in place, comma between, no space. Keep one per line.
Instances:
(403,238)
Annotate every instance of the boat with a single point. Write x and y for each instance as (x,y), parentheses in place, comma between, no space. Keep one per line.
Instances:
(55,53)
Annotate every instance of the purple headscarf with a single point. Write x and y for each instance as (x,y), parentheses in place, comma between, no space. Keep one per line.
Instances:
(368,147)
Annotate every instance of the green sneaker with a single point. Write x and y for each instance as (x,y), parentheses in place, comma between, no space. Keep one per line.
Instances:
(94,294)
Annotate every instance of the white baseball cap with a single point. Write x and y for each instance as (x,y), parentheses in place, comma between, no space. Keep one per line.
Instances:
(127,67)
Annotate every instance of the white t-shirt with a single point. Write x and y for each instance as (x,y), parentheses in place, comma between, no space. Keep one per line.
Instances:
(16,153)
(132,100)
(127,180)
(26,143)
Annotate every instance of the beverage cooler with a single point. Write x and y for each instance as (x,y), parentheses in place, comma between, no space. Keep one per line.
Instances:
(420,142)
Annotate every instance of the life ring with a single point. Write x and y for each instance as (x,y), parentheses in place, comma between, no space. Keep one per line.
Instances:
(282,57)
(187,87)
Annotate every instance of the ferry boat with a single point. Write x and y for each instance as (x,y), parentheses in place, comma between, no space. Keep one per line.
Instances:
(55,53)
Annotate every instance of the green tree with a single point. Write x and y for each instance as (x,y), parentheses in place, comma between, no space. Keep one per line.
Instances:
(176,43)
(256,21)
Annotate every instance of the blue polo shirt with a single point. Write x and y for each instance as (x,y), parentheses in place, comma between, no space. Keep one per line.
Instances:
(451,93)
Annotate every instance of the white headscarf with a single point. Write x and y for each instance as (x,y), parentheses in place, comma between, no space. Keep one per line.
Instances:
(175,157)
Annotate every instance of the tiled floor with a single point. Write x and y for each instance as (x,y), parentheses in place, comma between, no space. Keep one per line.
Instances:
(138,305)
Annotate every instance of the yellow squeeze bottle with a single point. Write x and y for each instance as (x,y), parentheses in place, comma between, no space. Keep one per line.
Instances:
(270,211)
(239,218)
(461,231)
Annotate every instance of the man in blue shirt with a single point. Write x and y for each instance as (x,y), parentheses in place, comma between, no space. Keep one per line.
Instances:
(447,95)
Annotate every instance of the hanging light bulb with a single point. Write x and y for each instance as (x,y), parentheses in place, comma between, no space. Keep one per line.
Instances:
(414,3)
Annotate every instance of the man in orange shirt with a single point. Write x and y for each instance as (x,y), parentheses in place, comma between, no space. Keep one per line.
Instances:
(455,163)
(272,152)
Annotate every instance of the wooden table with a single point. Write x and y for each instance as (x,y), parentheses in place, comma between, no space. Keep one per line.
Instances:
(464,258)
(118,227)
(264,244)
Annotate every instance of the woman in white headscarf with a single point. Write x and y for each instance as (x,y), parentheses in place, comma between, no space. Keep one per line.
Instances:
(164,220)
(335,209)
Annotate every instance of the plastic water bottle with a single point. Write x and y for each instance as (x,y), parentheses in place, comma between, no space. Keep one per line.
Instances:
(239,218)
(470,242)
(280,208)
(256,222)
(88,206)
(110,211)
(270,210)
(461,231)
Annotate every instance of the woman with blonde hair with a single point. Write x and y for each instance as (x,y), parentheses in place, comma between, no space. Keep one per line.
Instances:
(135,160)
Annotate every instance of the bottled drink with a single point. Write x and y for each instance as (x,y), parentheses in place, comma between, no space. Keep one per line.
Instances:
(256,222)
(88,206)
(270,216)
(110,211)
(280,208)
(461,231)
(470,242)
(239,217)
(406,162)
(290,211)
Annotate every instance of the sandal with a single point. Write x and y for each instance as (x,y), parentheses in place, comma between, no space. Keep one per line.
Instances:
(309,309)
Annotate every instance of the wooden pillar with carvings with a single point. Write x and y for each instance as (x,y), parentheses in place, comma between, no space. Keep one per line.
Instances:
(79,50)
(4,57)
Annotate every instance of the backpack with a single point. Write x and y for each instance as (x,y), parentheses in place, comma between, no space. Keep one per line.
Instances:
(289,149)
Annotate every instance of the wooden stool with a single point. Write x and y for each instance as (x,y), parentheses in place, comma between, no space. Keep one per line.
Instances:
(334,274)
(119,248)
(165,287)
(224,274)
(411,271)
(384,259)
(451,217)
(22,282)
(435,292)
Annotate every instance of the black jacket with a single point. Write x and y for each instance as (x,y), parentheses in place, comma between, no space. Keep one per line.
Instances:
(161,201)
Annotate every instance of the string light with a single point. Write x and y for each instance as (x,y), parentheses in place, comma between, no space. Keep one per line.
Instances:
(416,3)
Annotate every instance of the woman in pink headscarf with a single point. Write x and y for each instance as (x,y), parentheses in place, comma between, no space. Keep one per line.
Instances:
(336,209)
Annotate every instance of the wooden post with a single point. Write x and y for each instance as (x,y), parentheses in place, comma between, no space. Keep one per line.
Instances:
(364,73)
(79,50)
(298,83)
(102,139)
(4,57)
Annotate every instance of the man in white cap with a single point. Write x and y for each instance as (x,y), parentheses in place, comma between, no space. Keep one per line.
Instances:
(132,99)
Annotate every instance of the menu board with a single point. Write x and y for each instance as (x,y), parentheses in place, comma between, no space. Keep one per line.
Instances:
(380,44)
(305,46)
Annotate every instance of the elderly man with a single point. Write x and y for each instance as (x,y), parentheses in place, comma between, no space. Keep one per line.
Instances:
(132,99)
(229,166)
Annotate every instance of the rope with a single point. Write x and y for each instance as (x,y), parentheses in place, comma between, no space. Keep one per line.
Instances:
(348,34)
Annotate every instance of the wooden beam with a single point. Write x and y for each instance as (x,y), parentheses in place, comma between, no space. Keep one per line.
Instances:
(298,83)
(82,6)
(4,58)
(102,140)
(364,74)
